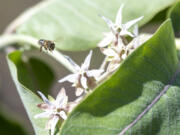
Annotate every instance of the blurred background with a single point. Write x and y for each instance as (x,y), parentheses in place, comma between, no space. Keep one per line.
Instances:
(10,102)
(9,99)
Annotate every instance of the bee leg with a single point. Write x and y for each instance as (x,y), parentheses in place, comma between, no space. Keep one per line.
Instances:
(46,49)
(41,49)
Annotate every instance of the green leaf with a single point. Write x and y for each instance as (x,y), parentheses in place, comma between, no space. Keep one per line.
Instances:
(75,25)
(31,73)
(141,98)
(174,14)
(10,127)
(23,82)
(159,17)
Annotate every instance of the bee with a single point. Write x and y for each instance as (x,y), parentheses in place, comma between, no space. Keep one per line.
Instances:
(46,44)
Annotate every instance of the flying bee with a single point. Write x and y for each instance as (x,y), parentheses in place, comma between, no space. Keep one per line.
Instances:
(46,44)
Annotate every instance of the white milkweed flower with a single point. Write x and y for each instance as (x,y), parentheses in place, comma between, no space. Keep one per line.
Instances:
(115,54)
(55,110)
(117,28)
(84,78)
(121,51)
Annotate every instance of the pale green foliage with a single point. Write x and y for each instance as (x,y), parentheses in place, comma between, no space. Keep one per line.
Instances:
(76,26)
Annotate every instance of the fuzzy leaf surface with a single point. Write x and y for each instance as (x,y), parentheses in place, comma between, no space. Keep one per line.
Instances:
(76,26)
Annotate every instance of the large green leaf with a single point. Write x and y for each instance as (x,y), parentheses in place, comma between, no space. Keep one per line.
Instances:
(31,73)
(23,80)
(75,25)
(141,98)
(174,14)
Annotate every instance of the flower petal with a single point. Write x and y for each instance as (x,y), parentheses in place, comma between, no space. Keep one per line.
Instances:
(136,42)
(79,91)
(94,73)
(54,122)
(87,61)
(120,45)
(124,56)
(63,115)
(84,82)
(77,68)
(70,78)
(109,52)
(124,32)
(119,16)
(43,97)
(45,106)
(46,114)
(132,22)
(61,99)
(107,40)
(108,21)
(135,31)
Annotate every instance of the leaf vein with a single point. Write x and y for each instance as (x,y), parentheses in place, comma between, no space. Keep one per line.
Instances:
(166,87)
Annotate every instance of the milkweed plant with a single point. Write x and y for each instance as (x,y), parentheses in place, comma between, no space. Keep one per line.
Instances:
(136,89)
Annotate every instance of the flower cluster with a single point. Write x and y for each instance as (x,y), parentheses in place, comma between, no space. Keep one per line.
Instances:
(119,42)
(116,45)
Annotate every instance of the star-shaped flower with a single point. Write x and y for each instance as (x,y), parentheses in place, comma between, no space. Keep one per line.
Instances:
(117,28)
(55,110)
(115,54)
(83,79)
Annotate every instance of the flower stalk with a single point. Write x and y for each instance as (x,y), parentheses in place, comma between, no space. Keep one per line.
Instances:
(10,39)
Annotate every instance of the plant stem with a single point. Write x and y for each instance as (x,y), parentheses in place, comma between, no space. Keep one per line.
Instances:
(25,16)
(6,40)
(9,39)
